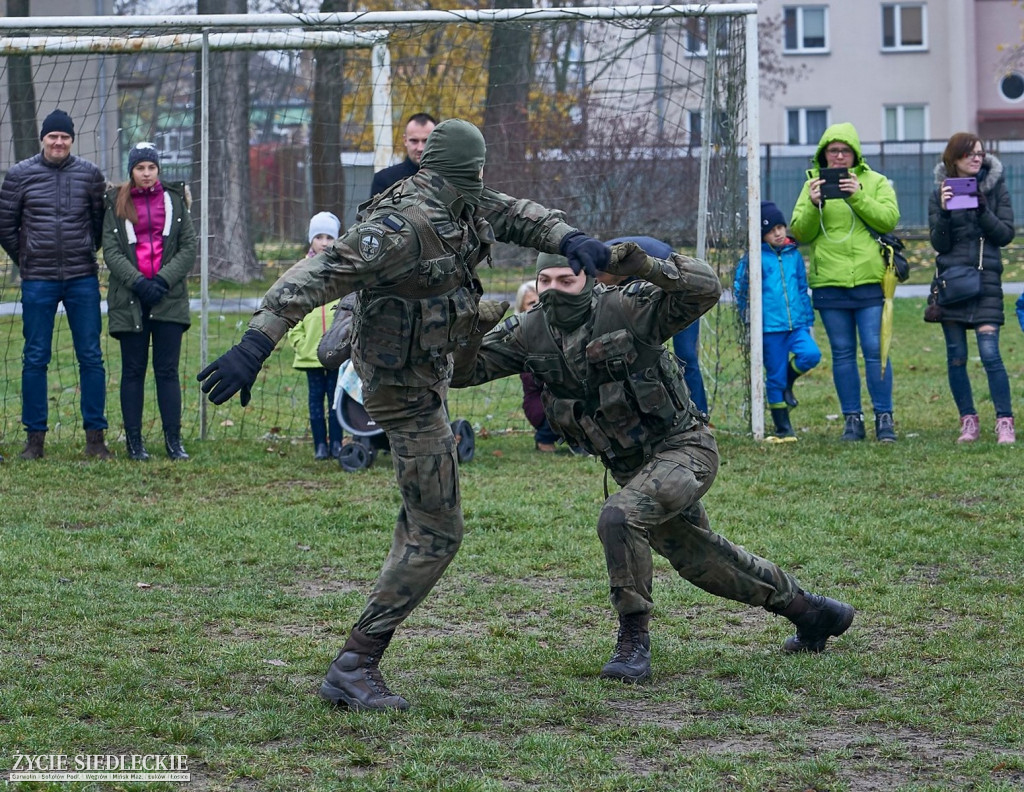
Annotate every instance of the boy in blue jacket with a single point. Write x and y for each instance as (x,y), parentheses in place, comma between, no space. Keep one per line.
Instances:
(789,348)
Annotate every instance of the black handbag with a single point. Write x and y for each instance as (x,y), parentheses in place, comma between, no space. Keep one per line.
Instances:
(960,284)
(891,248)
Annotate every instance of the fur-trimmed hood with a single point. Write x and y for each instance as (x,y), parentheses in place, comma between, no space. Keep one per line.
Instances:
(988,177)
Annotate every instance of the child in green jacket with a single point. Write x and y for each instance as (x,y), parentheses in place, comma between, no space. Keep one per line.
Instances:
(324,228)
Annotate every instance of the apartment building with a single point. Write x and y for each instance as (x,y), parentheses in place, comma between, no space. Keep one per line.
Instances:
(898,71)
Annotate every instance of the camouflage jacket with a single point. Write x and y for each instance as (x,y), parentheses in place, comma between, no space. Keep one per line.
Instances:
(610,385)
(412,311)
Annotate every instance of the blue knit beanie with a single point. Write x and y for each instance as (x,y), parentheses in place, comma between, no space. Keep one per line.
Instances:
(771,216)
(143,152)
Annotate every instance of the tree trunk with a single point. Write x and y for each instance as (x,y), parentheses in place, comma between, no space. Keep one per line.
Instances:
(232,253)
(506,127)
(325,132)
(22,92)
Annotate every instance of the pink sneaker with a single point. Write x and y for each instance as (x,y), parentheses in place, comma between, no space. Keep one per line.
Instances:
(969,430)
(1005,433)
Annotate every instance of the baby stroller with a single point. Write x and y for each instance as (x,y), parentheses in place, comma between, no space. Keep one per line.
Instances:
(368,439)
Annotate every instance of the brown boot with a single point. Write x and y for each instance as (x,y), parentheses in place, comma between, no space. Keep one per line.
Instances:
(631,660)
(354,679)
(95,446)
(34,446)
(817,619)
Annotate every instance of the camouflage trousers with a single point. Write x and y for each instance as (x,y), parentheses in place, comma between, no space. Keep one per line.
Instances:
(429,528)
(660,508)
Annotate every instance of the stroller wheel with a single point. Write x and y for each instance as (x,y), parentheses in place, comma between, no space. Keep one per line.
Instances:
(355,456)
(465,439)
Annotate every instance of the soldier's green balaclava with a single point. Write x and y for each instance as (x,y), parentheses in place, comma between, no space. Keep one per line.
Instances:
(456,150)
(564,311)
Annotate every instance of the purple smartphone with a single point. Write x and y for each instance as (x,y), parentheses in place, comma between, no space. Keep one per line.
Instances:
(965,193)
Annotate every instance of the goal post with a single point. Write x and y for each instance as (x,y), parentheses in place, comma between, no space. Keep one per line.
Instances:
(634,120)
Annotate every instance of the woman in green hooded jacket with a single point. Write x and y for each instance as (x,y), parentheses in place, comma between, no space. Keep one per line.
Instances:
(846,272)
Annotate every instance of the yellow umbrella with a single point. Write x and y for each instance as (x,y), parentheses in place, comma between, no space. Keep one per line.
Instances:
(888,290)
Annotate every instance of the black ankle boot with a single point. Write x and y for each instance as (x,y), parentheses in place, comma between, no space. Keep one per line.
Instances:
(354,679)
(172,442)
(853,427)
(791,376)
(136,448)
(783,428)
(817,619)
(631,660)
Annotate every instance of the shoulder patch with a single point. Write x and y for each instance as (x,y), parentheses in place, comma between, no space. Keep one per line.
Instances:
(371,241)
(511,323)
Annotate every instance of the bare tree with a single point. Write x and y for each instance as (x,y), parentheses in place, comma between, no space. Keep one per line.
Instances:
(325,130)
(232,253)
(22,92)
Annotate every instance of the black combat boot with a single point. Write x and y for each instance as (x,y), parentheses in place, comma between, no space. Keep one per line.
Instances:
(34,446)
(817,619)
(631,660)
(172,442)
(95,445)
(791,377)
(135,446)
(354,678)
(783,428)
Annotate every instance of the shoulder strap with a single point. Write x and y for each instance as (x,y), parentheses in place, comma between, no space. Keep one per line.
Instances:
(431,246)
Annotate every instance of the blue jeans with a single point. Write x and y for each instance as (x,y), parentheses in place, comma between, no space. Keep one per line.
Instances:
(956,363)
(684,344)
(39,300)
(323,424)
(842,326)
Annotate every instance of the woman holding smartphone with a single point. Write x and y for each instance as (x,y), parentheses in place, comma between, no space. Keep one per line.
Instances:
(972,237)
(846,271)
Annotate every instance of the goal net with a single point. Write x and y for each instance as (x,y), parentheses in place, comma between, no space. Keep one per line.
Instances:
(632,120)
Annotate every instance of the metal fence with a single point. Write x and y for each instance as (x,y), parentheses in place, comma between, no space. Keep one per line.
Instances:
(908,165)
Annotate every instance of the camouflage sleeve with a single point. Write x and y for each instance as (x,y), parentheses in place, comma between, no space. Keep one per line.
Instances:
(381,251)
(523,222)
(501,354)
(672,294)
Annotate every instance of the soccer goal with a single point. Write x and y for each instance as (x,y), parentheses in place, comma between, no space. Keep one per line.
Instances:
(633,120)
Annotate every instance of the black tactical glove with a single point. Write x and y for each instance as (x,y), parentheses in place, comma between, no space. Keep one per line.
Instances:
(584,253)
(236,369)
(150,292)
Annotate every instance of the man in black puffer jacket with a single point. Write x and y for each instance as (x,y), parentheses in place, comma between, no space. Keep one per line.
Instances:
(51,225)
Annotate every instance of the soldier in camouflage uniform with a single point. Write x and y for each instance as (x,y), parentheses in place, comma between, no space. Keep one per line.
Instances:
(413,263)
(611,386)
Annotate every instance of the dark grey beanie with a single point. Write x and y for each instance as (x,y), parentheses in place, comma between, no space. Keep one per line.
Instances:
(57,121)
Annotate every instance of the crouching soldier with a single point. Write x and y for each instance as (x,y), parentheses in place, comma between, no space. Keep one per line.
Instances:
(611,386)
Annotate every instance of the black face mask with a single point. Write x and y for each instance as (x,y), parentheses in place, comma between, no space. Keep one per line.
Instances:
(567,311)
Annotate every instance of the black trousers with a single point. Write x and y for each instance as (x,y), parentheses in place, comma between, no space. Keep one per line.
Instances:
(166,342)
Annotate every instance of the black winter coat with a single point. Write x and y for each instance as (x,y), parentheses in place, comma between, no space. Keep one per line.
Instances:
(961,235)
(51,217)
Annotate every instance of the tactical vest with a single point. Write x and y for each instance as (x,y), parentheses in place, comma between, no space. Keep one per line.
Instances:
(433,312)
(631,397)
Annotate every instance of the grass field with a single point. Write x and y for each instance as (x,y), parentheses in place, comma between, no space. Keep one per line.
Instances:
(193,608)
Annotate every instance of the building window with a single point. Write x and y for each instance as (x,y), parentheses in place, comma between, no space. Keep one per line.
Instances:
(806,124)
(697,36)
(906,122)
(719,132)
(1011,87)
(903,26)
(805,28)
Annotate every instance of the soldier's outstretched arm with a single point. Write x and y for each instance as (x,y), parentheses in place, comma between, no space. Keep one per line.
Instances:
(500,354)
(523,222)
